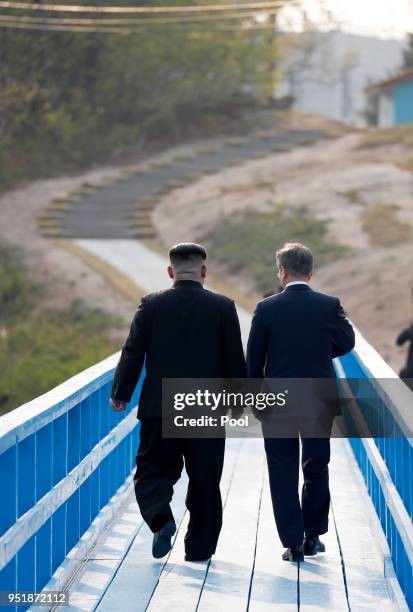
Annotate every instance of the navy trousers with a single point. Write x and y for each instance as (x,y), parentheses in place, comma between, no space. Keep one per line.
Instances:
(293,519)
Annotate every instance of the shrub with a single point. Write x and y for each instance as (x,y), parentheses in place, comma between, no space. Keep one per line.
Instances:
(39,351)
(247,244)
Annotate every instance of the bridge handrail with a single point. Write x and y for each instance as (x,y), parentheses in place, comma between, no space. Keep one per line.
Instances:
(28,418)
(399,396)
(386,463)
(63,458)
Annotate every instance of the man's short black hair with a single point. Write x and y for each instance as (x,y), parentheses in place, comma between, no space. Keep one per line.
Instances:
(187,251)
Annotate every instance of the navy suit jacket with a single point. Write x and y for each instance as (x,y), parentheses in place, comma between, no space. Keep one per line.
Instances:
(296,334)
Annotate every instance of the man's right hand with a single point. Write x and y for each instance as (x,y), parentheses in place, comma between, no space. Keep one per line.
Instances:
(117,405)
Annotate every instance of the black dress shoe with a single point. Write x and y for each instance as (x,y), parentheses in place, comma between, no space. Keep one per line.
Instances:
(294,553)
(197,559)
(312,546)
(161,544)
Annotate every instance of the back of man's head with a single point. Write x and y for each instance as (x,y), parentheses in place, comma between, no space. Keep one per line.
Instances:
(187,259)
(296,258)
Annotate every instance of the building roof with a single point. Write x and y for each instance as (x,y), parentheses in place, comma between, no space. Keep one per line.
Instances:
(405,75)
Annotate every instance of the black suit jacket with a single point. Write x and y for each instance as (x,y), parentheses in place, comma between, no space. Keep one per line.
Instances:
(183,332)
(405,336)
(296,334)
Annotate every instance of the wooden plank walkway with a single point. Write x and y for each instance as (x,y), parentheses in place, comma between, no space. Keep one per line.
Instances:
(247,572)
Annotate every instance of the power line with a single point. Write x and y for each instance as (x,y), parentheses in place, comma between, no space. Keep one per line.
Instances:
(145,9)
(94,24)
(139,21)
(123,30)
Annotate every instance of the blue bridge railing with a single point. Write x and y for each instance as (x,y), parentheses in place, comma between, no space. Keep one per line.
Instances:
(386,462)
(63,457)
(66,462)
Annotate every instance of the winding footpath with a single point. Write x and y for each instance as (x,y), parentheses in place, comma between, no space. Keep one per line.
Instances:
(121,209)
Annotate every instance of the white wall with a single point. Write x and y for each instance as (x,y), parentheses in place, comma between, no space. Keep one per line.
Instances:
(336,74)
(386,110)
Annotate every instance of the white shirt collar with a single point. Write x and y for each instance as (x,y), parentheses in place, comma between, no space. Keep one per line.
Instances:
(295,283)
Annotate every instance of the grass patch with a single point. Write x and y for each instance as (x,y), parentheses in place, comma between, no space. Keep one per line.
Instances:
(352,195)
(337,131)
(182,158)
(49,215)
(159,165)
(257,184)
(236,162)
(383,227)
(40,349)
(210,171)
(62,201)
(307,142)
(246,244)
(407,164)
(195,176)
(379,137)
(234,143)
(280,148)
(208,150)
(81,193)
(259,155)
(175,183)
(57,206)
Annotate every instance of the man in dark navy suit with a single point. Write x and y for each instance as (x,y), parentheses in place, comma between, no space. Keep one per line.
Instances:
(183,332)
(296,334)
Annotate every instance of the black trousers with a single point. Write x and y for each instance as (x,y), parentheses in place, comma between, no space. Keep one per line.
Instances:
(159,463)
(311,516)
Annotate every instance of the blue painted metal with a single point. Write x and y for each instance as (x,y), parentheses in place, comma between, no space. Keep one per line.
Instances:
(403,102)
(77,437)
(396,453)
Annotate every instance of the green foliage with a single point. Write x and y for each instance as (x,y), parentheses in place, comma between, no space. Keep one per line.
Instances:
(15,287)
(247,244)
(383,227)
(352,195)
(68,99)
(39,351)
(408,53)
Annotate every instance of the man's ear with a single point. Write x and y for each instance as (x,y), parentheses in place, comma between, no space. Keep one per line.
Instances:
(309,277)
(170,272)
(204,270)
(281,276)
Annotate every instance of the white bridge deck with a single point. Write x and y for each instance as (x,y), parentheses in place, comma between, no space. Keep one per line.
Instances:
(247,572)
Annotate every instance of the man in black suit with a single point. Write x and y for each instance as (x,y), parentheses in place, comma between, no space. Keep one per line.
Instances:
(183,332)
(296,334)
(406,335)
